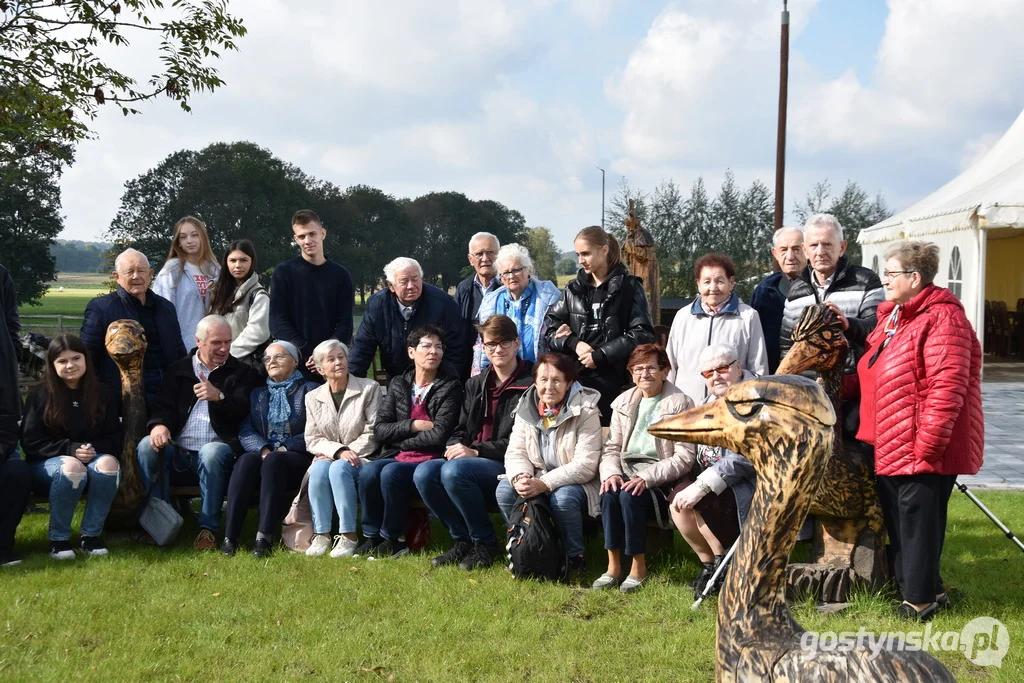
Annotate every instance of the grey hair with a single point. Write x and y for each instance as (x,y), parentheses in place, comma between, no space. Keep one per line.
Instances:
(401,263)
(483,236)
(203,328)
(514,252)
(710,356)
(826,219)
(782,231)
(324,348)
(129,252)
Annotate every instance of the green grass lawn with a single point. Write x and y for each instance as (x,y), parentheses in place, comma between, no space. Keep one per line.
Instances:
(145,613)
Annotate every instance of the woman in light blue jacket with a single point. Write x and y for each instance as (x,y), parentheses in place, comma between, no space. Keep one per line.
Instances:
(521,297)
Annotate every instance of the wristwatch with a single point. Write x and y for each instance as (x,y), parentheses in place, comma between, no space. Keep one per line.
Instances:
(221,396)
(703,486)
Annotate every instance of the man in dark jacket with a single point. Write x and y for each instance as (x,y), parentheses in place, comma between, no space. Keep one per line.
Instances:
(14,475)
(483,248)
(392,313)
(195,421)
(769,298)
(133,300)
(613,318)
(851,292)
(460,488)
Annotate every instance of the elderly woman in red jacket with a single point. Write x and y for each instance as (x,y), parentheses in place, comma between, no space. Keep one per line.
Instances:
(920,380)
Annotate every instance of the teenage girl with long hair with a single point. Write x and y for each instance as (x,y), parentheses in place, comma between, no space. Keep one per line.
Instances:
(188,275)
(239,297)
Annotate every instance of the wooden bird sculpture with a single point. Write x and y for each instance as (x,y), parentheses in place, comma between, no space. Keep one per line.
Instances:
(126,344)
(849,534)
(783,425)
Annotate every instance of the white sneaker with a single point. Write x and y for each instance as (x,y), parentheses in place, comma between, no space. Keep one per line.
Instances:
(320,545)
(343,547)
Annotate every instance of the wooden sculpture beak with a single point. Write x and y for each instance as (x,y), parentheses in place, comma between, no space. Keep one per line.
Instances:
(708,424)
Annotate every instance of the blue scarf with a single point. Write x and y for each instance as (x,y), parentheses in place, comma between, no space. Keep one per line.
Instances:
(281,407)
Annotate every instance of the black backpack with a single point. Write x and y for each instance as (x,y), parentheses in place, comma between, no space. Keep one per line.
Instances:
(534,545)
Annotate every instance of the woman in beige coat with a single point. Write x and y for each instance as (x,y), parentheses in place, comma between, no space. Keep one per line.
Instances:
(339,433)
(638,470)
(554,450)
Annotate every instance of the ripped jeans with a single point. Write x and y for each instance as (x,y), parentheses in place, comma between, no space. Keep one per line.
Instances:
(65,490)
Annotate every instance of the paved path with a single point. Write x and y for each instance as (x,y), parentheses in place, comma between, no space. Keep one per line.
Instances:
(1003,467)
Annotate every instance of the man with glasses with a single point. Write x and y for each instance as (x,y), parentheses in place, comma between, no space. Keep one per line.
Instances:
(852,292)
(483,249)
(133,299)
(392,313)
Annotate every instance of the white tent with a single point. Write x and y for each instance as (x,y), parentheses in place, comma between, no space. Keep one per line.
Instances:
(977,219)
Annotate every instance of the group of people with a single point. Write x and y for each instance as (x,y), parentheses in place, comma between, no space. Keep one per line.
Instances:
(512,389)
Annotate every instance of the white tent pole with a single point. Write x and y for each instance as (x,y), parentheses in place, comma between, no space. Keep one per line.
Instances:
(980,302)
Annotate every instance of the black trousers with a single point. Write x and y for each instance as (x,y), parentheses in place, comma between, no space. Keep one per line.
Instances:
(14,492)
(274,476)
(915,509)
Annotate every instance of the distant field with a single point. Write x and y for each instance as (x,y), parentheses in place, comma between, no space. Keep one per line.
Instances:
(71,301)
(563,280)
(80,280)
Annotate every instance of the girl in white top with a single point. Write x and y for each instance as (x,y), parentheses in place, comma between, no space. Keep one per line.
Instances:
(187,278)
(243,301)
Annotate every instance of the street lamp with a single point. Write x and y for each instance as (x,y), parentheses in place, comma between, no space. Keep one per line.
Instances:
(602,196)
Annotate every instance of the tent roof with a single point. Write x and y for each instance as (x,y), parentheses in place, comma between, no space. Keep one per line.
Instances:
(991,189)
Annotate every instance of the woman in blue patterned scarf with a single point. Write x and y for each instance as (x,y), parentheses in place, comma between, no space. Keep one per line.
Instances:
(275,457)
(521,297)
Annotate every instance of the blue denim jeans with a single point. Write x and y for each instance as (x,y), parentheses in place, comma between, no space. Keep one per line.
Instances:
(210,466)
(385,491)
(568,505)
(624,517)
(333,486)
(65,490)
(458,492)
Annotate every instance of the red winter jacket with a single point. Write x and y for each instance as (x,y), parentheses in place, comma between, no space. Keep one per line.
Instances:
(921,400)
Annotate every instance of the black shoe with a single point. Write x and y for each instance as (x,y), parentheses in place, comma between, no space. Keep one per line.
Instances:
(699,583)
(908,612)
(390,548)
(92,546)
(229,547)
(8,558)
(262,548)
(575,569)
(455,554)
(481,556)
(62,550)
(943,601)
(368,546)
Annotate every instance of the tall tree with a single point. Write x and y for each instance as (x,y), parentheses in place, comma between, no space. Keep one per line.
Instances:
(618,208)
(543,253)
(854,209)
(30,221)
(56,63)
(665,223)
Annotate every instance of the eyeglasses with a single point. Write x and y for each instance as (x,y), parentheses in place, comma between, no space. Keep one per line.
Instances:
(277,357)
(641,370)
(511,273)
(485,252)
(890,274)
(490,346)
(720,370)
(430,347)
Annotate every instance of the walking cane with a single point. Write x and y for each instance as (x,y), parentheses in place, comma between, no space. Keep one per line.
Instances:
(988,513)
(714,577)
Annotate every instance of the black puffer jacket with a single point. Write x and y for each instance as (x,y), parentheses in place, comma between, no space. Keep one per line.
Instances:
(474,404)
(393,428)
(614,318)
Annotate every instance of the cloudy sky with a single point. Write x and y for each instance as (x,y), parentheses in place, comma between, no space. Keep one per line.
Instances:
(522,100)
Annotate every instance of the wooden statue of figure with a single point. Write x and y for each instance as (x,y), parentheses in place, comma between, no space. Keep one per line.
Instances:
(126,344)
(849,529)
(783,425)
(641,259)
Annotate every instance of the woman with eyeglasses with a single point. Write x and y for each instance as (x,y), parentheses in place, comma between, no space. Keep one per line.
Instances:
(920,380)
(243,302)
(460,488)
(601,316)
(523,298)
(709,509)
(274,445)
(716,316)
(637,470)
(419,414)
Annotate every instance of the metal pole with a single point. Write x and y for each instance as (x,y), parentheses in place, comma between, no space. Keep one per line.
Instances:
(780,151)
(988,513)
(602,196)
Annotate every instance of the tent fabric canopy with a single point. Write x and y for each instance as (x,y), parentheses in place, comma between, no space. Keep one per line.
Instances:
(989,194)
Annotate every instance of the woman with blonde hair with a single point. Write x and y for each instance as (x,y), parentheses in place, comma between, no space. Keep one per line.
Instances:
(188,276)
